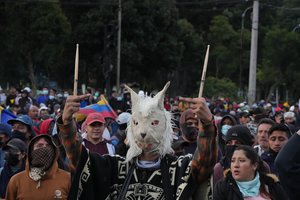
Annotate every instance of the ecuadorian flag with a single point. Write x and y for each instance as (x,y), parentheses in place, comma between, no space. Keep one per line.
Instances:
(6,115)
(101,106)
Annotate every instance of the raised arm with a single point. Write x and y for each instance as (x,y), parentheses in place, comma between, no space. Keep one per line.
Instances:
(71,140)
(205,156)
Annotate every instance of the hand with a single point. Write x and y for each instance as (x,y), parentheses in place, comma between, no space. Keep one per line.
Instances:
(72,105)
(200,108)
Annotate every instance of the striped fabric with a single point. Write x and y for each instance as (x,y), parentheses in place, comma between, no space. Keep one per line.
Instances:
(205,156)
(101,106)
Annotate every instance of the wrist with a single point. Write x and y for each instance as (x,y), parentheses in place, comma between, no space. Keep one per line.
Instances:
(207,122)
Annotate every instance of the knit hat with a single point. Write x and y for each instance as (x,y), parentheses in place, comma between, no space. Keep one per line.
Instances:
(187,114)
(240,133)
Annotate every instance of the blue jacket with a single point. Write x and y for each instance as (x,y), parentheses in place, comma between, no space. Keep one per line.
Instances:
(5,175)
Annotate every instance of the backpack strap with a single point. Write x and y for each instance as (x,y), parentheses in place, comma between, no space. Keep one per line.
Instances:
(124,188)
(166,179)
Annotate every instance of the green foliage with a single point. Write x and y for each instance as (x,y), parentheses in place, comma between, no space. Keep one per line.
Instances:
(215,88)
(225,46)
(35,35)
(161,40)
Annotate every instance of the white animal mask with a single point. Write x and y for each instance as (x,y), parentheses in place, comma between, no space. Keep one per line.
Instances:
(150,127)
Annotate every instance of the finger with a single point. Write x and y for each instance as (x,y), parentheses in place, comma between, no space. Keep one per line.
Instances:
(191,100)
(186,99)
(72,104)
(77,98)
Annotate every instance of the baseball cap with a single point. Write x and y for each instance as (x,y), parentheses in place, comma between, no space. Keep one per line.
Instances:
(25,119)
(123,118)
(94,117)
(27,89)
(16,144)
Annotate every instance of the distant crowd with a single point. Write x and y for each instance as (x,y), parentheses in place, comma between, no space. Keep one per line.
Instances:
(33,156)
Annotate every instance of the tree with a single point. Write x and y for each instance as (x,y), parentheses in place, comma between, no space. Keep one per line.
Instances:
(35,34)
(215,88)
(225,46)
(281,60)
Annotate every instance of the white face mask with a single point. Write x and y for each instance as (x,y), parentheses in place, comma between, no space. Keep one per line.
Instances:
(225,129)
(66,95)
(51,97)
(45,92)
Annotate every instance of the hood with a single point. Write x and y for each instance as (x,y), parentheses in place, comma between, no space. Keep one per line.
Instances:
(230,117)
(45,125)
(222,120)
(54,166)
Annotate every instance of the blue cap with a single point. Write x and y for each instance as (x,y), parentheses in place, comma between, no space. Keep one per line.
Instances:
(25,119)
(5,129)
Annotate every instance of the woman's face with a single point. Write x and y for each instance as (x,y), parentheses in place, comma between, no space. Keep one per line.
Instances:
(241,167)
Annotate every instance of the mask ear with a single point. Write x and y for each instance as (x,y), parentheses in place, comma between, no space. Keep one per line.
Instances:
(133,95)
(159,97)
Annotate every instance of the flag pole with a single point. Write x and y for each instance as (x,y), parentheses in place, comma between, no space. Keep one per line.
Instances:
(204,72)
(76,70)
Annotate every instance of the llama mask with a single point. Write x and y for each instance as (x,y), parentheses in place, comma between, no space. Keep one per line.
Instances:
(150,127)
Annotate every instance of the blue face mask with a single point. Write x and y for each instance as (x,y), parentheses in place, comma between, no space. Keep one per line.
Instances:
(225,129)
(51,97)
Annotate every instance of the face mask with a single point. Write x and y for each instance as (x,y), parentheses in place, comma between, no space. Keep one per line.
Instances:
(51,97)
(225,129)
(66,95)
(190,133)
(45,92)
(11,158)
(18,134)
(119,98)
(42,158)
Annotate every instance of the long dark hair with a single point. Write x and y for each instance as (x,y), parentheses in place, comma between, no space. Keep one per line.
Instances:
(252,155)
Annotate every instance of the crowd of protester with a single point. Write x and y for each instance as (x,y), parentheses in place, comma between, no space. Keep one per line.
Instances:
(257,145)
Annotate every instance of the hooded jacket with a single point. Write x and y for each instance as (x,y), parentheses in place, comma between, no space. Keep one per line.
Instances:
(55,184)
(221,138)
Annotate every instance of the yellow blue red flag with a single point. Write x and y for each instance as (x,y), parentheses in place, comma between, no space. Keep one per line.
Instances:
(101,106)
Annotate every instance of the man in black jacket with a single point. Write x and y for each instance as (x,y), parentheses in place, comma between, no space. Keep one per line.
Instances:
(287,163)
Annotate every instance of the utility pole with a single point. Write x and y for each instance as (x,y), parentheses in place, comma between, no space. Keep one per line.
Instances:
(240,92)
(253,54)
(119,46)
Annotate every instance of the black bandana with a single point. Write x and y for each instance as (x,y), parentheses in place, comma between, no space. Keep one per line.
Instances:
(42,158)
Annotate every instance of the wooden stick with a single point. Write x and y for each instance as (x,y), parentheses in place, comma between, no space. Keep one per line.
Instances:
(204,72)
(76,70)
